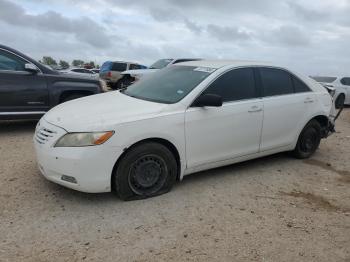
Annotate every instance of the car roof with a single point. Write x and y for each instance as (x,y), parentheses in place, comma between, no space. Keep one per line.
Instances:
(222,63)
(125,62)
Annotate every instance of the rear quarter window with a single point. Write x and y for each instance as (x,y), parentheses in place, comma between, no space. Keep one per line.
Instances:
(300,86)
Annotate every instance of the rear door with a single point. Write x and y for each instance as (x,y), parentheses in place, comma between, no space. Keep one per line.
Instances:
(21,92)
(287,101)
(221,133)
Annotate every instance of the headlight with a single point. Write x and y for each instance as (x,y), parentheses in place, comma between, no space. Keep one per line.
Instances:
(84,139)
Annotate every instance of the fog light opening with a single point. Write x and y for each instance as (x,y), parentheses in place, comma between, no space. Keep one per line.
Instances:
(69,179)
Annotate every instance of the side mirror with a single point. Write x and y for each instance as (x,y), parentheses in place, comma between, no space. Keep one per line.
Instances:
(208,100)
(31,68)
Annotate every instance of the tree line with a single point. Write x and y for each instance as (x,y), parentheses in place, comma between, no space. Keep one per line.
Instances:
(48,60)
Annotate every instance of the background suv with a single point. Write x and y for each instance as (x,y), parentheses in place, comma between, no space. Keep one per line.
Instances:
(111,72)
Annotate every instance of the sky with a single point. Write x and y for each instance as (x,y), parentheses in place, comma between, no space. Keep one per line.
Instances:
(312,37)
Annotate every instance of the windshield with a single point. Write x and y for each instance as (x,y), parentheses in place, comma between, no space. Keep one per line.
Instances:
(161,64)
(169,85)
(324,79)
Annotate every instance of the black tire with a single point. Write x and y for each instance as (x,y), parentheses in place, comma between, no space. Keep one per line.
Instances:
(146,170)
(126,81)
(72,97)
(117,85)
(339,102)
(309,140)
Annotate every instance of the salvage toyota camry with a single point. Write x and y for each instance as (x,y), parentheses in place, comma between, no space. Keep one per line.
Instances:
(185,118)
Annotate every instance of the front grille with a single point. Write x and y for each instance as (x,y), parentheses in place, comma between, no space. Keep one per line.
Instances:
(44,135)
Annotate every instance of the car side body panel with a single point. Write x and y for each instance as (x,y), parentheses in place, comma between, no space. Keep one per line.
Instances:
(203,138)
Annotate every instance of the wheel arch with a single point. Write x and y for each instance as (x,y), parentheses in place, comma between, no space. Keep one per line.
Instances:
(322,119)
(173,149)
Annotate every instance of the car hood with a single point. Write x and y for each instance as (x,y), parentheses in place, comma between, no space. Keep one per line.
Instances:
(101,112)
(79,75)
(139,72)
(73,77)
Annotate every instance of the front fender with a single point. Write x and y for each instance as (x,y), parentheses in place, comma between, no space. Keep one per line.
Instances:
(57,88)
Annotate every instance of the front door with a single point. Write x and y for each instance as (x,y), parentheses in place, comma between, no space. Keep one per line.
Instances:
(20,91)
(233,130)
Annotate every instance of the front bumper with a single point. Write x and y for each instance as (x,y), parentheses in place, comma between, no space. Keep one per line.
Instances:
(91,167)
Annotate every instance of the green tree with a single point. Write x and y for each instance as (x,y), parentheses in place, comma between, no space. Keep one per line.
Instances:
(92,64)
(64,64)
(48,60)
(78,63)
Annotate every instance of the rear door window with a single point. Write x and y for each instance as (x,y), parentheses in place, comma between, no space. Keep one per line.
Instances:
(345,81)
(134,66)
(276,82)
(237,84)
(120,67)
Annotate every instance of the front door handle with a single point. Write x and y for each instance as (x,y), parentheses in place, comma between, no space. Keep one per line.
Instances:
(254,109)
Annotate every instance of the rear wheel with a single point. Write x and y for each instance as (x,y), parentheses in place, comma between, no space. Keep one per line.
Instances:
(147,170)
(309,140)
(339,102)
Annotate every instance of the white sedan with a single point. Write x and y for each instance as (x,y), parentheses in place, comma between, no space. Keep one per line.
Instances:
(341,86)
(185,118)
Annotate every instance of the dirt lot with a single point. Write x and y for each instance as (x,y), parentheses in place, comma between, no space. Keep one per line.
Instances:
(272,209)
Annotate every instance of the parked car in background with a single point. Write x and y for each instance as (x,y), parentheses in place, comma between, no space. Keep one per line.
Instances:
(186,118)
(81,72)
(28,89)
(341,86)
(111,72)
(131,76)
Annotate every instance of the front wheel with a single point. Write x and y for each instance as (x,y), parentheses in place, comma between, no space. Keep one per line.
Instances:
(146,170)
(309,140)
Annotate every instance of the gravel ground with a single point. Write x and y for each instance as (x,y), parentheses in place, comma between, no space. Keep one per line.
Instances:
(272,209)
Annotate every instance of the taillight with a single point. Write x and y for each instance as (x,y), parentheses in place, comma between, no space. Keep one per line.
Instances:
(109,74)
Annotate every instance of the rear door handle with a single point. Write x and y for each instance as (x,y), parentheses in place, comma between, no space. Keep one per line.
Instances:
(308,100)
(254,109)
